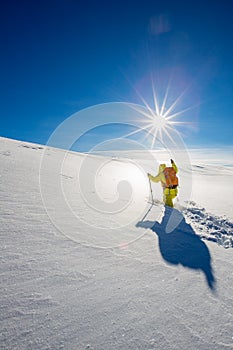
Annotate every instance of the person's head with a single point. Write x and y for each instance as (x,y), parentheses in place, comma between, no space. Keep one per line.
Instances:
(162,167)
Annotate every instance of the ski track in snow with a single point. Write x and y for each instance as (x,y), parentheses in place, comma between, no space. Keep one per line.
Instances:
(211,227)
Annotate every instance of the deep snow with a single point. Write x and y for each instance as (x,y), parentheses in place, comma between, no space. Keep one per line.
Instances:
(88,279)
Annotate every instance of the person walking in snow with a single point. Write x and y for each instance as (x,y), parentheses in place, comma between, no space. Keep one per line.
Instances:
(169,181)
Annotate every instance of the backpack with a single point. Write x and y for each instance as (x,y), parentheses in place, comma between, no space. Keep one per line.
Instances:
(170,177)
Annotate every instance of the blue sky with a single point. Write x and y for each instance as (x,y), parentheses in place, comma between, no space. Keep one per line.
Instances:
(58,57)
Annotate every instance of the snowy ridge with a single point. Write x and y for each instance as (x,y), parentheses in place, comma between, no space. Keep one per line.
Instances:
(208,226)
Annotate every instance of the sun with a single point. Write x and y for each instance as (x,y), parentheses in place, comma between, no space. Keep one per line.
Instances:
(161,119)
(159,122)
(156,124)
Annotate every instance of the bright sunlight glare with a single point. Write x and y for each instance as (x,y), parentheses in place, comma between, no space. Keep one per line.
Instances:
(160,120)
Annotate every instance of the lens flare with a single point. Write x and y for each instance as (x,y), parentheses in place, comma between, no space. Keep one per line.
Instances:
(161,119)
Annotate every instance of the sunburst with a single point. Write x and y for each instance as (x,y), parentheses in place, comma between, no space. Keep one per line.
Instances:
(161,119)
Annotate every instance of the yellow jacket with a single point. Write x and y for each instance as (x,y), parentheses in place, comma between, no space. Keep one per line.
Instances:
(160,177)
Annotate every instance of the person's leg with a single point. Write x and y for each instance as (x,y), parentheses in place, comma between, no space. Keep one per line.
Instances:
(167,197)
(169,201)
(173,194)
(164,198)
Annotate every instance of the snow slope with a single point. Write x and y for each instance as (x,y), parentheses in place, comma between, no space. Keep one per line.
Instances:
(78,272)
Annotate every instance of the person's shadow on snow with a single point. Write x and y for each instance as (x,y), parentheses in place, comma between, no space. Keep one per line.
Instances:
(182,245)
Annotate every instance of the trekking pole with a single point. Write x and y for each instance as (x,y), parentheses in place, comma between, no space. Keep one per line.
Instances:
(152,200)
(151,192)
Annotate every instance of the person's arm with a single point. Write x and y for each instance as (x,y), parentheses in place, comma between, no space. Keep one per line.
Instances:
(174,166)
(155,178)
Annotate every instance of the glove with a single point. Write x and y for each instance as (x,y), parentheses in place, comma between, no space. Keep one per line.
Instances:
(149,176)
(172,161)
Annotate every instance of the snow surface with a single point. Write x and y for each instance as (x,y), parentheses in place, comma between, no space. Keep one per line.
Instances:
(87,263)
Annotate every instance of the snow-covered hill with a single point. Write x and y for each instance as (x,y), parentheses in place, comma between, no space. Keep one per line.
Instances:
(86,262)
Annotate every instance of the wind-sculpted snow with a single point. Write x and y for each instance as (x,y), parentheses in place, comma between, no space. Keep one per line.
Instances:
(90,288)
(210,227)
